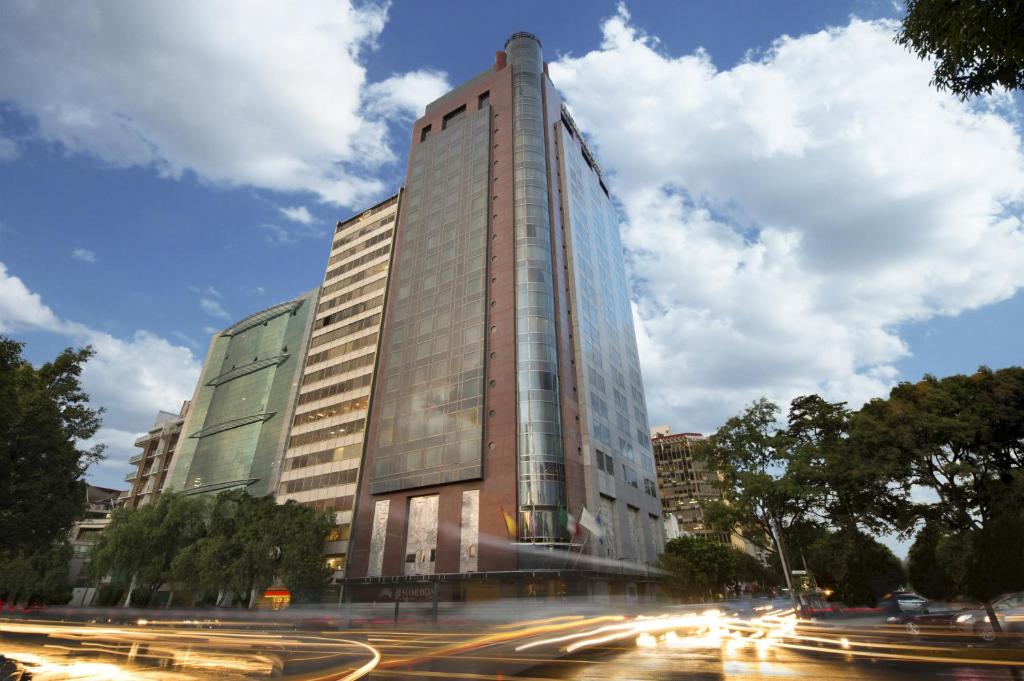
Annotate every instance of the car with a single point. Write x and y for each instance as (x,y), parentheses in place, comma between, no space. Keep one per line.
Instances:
(1009,609)
(897,602)
(916,623)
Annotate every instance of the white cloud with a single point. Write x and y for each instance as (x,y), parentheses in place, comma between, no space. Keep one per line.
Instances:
(20,307)
(299,214)
(84,255)
(213,308)
(120,447)
(784,217)
(273,94)
(405,96)
(132,378)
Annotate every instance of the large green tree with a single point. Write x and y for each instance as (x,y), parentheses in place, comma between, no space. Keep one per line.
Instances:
(231,546)
(698,568)
(960,437)
(752,458)
(35,576)
(851,563)
(847,488)
(140,545)
(44,415)
(976,45)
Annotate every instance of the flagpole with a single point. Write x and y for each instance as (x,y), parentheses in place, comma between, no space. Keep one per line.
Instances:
(581,549)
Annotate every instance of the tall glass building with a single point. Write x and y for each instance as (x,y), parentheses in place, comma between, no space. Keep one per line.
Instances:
(238,421)
(509,397)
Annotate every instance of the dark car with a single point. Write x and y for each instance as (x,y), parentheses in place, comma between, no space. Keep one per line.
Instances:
(916,623)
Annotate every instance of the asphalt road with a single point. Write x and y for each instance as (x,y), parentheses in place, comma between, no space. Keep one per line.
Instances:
(781,665)
(697,646)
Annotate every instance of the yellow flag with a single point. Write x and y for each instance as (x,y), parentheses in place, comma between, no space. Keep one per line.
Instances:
(510,523)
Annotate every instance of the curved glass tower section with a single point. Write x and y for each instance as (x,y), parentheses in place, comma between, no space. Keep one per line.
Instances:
(541,466)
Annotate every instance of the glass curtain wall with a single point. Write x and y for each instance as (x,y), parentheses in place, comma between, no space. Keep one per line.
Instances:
(541,466)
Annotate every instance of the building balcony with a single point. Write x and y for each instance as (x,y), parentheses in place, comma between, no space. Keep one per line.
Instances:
(131,476)
(146,438)
(137,458)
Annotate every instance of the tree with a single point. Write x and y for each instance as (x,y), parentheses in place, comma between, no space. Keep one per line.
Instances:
(977,45)
(751,458)
(929,574)
(140,545)
(38,576)
(961,438)
(252,541)
(857,567)
(301,533)
(699,568)
(44,414)
(847,488)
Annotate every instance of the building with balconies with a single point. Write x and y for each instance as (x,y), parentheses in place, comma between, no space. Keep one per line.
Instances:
(154,461)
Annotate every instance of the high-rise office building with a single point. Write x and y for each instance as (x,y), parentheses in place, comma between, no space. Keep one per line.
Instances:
(238,421)
(325,447)
(509,394)
(685,481)
(154,461)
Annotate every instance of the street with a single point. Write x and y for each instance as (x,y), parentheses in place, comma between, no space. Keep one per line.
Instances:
(706,645)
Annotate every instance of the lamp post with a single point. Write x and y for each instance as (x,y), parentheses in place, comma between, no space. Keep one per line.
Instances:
(777,536)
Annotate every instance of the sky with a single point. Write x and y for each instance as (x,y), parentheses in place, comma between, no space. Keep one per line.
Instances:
(802,213)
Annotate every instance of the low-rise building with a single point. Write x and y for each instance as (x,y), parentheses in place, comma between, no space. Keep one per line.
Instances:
(100,503)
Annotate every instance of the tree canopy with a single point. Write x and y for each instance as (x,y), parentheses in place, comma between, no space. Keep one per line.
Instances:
(44,415)
(233,544)
(941,456)
(977,45)
(698,568)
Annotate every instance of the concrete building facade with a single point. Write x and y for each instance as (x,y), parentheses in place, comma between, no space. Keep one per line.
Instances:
(685,481)
(509,394)
(325,445)
(99,505)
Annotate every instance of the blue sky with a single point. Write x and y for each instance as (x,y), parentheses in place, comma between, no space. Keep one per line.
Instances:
(802,215)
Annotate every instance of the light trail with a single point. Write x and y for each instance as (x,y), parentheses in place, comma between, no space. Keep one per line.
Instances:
(152,648)
(777,629)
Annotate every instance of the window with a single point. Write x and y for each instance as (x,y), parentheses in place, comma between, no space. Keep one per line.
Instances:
(424,133)
(630,476)
(604,462)
(650,488)
(483,100)
(453,117)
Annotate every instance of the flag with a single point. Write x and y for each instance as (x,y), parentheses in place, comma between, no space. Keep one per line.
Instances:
(510,523)
(671,526)
(588,521)
(568,521)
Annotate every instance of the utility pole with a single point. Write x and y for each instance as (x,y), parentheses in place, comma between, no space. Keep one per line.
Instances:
(777,536)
